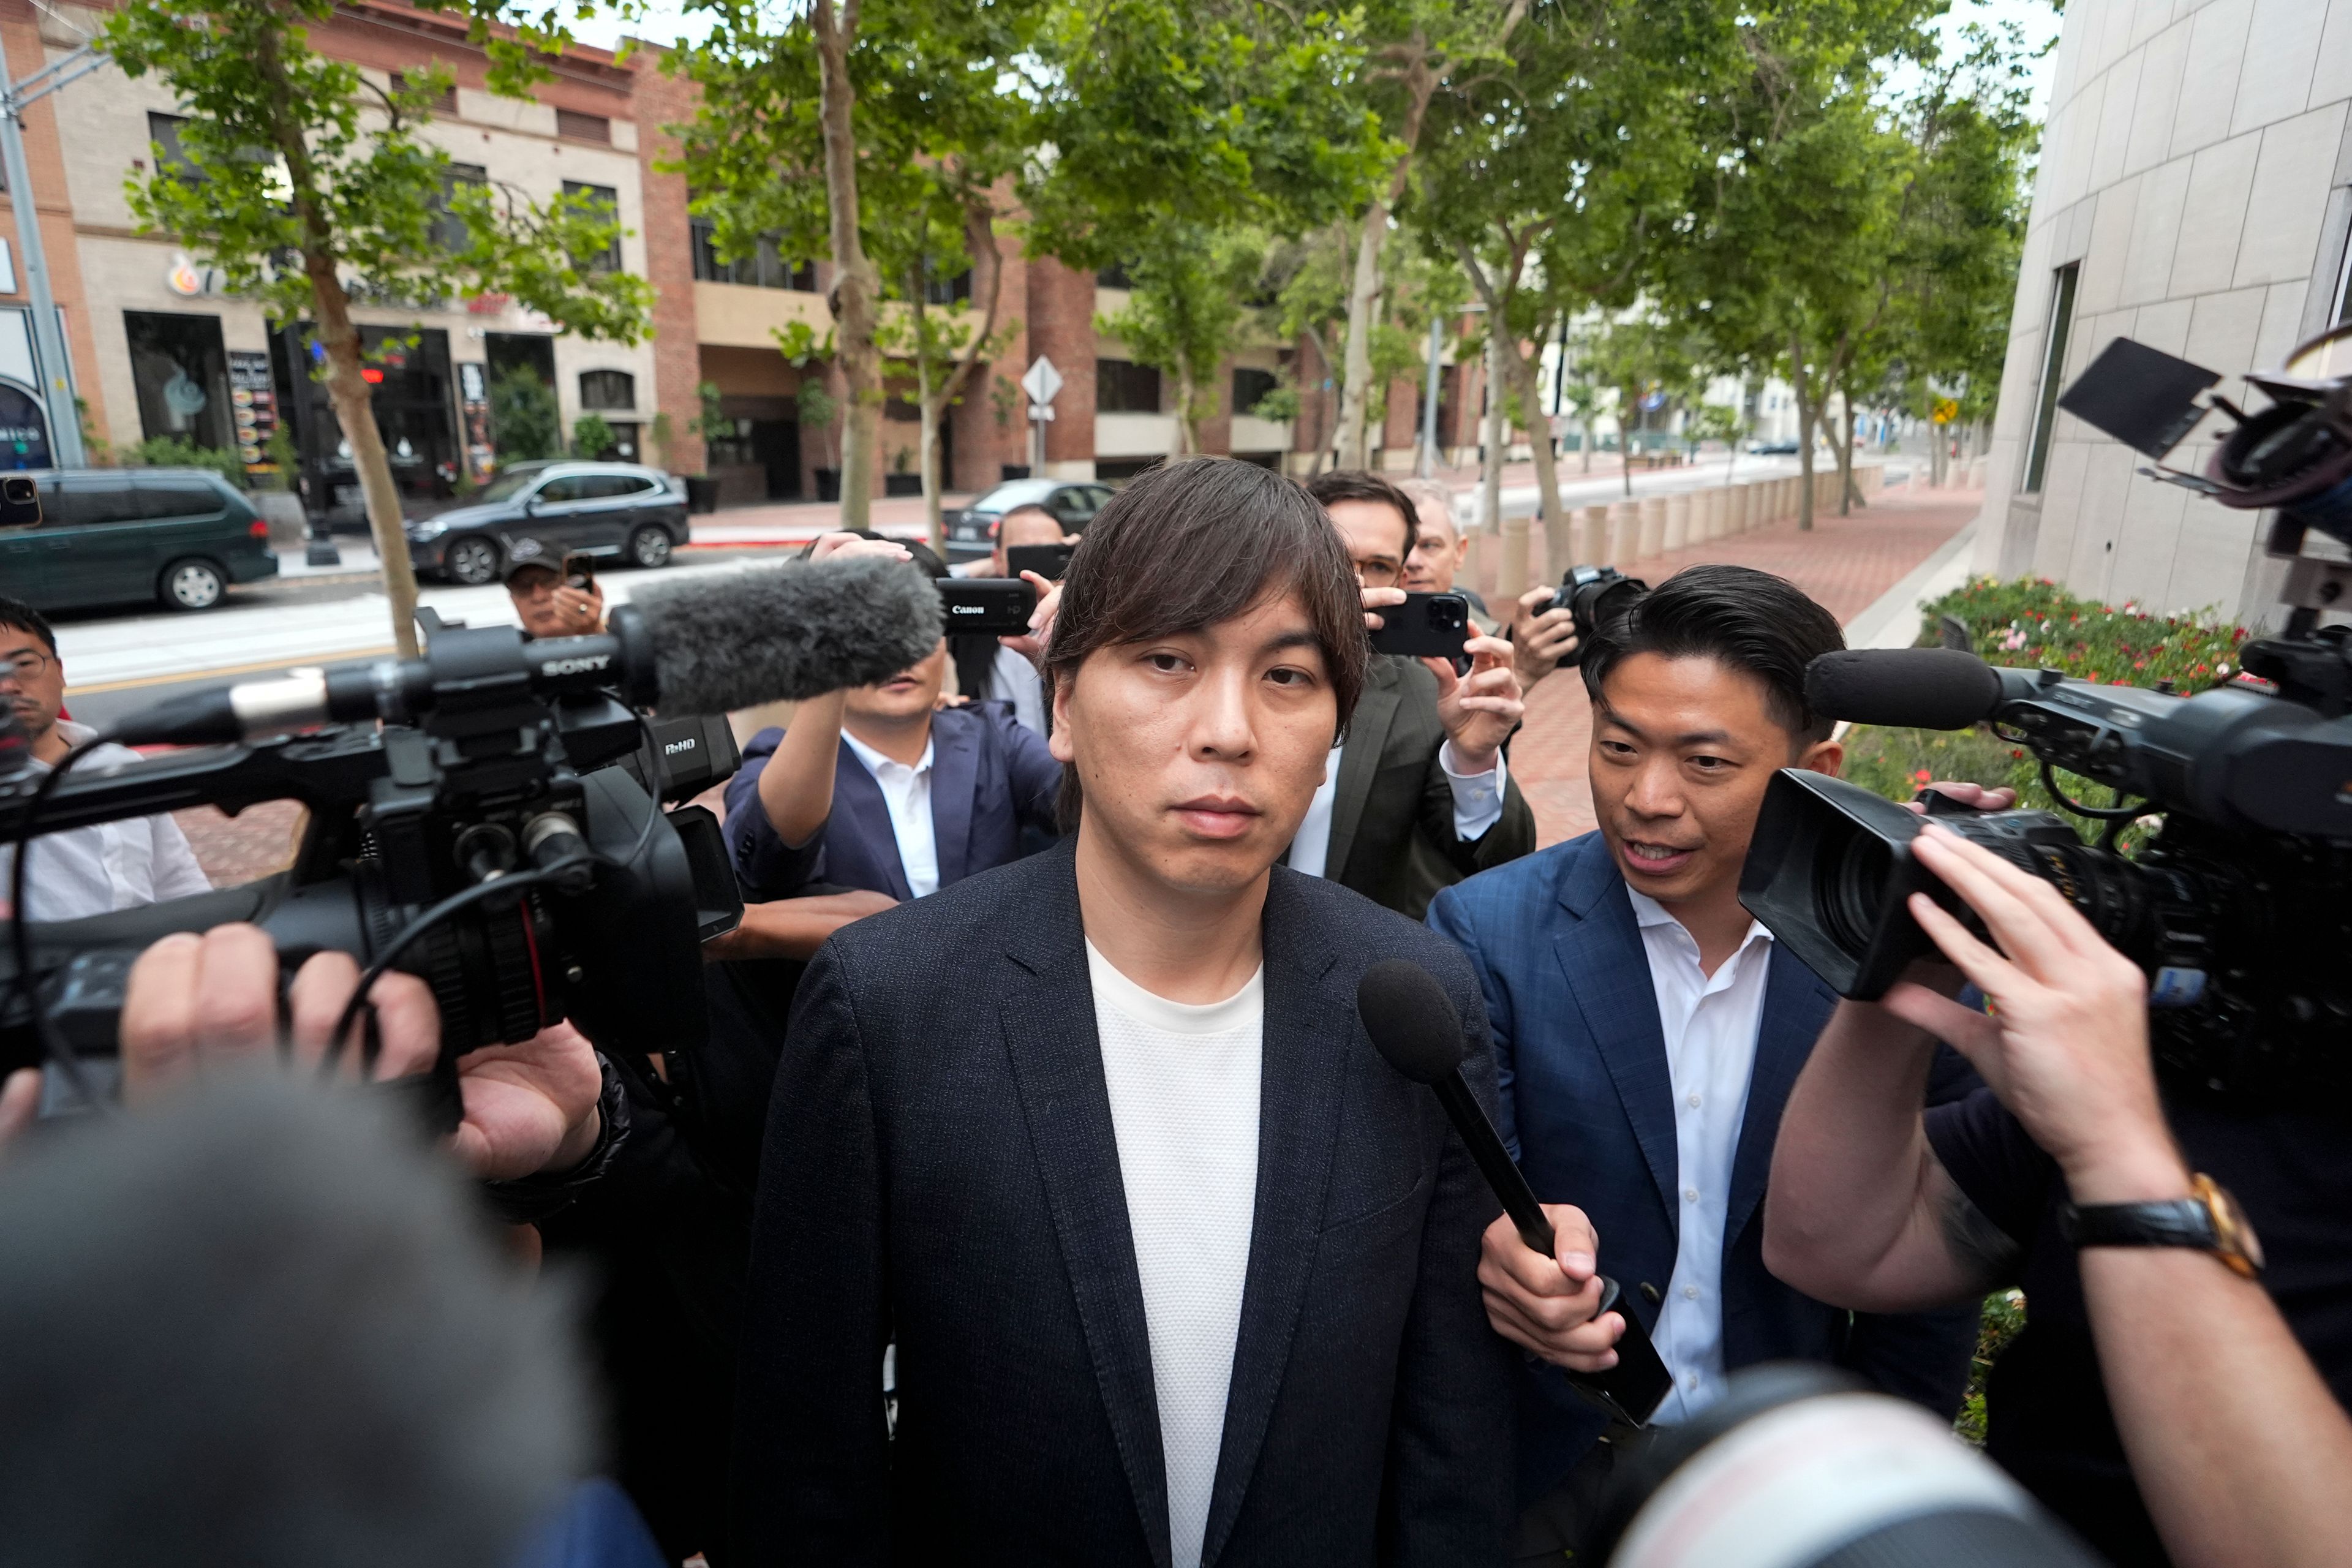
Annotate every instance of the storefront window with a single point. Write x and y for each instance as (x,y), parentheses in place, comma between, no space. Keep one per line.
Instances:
(181,371)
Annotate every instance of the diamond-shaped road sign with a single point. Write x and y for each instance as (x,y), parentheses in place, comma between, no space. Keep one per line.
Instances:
(1043,381)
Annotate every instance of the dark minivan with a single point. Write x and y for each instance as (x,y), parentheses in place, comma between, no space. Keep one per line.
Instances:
(112,536)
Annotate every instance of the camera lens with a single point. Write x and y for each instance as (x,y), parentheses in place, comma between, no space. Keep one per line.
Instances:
(1851,889)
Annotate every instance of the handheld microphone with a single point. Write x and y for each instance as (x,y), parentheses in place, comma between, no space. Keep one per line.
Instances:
(706,646)
(1415,1028)
(1911,688)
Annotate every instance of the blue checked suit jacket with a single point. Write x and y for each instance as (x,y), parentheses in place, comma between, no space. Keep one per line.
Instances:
(1588,1107)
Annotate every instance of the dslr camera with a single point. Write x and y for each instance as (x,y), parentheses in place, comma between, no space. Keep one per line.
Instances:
(1596,597)
(2240,906)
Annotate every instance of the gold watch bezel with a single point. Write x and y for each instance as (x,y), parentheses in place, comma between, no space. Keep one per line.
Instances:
(2235,1241)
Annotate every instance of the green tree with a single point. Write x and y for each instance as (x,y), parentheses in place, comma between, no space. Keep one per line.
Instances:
(304,184)
(524,419)
(1188,309)
(878,133)
(593,438)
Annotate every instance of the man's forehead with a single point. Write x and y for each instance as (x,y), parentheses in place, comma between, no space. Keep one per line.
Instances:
(1431,516)
(16,639)
(1274,620)
(1688,695)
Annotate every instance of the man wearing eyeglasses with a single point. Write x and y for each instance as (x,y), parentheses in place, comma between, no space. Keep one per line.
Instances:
(83,870)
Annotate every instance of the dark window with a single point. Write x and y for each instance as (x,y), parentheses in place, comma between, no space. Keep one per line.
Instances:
(163,130)
(442,102)
(80,501)
(162,497)
(764,269)
(1124,388)
(566,487)
(938,291)
(2053,370)
(902,411)
(1251,387)
(582,127)
(181,373)
(1074,506)
(610,200)
(448,230)
(1115,277)
(608,389)
(604,486)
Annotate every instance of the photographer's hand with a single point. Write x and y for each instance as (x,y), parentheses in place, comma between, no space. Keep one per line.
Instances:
(1031,645)
(193,1001)
(2065,1047)
(1547,1305)
(1377,600)
(844,542)
(20,1098)
(1541,637)
(1479,711)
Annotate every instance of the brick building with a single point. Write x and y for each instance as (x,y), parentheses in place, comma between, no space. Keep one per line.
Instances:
(159,349)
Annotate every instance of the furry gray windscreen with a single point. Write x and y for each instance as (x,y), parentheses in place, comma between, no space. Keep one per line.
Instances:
(787,633)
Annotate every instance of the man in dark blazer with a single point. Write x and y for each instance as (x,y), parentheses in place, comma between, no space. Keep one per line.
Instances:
(1178,1271)
(1647,1032)
(1420,794)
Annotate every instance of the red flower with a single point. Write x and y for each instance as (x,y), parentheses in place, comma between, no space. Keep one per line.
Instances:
(2138,663)
(2016,751)
(1922,777)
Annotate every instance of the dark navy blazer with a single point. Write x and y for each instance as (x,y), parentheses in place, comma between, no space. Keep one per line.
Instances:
(1587,1102)
(989,779)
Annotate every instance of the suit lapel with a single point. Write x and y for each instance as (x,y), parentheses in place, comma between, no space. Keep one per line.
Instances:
(1608,971)
(858,799)
(1360,761)
(1049,1031)
(1795,1006)
(1299,1108)
(955,770)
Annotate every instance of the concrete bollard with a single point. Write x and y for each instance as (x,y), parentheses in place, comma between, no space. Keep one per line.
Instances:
(1592,535)
(1624,532)
(1653,525)
(1706,514)
(1511,581)
(1678,519)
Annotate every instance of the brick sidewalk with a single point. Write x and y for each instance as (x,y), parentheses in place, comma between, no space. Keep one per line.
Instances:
(1845,563)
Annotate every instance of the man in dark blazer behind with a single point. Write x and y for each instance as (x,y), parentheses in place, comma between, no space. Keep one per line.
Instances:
(1178,1270)
(1647,1032)
(1421,796)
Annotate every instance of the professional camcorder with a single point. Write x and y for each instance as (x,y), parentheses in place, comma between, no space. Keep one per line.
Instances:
(487,816)
(2240,907)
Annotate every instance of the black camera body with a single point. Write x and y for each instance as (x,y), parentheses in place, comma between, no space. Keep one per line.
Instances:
(488,757)
(998,605)
(1596,597)
(1427,626)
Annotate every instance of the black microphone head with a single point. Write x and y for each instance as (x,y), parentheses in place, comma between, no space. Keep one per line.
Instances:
(1915,687)
(1411,1019)
(786,633)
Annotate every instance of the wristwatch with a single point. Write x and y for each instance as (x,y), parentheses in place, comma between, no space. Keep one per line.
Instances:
(2208,1220)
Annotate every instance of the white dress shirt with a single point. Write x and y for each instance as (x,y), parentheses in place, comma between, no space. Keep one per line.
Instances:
(1710,1023)
(1477,807)
(1012,679)
(1184,1082)
(112,866)
(908,793)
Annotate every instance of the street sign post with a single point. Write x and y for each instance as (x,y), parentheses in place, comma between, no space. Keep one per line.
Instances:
(1042,382)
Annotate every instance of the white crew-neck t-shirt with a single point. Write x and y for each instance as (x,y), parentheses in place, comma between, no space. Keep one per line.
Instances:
(1184,1083)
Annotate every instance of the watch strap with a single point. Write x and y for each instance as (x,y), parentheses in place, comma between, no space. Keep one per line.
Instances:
(2174,1221)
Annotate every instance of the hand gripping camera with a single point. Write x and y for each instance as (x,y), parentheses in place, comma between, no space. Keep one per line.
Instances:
(2240,907)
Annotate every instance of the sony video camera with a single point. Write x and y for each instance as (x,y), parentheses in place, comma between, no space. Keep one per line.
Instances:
(490,760)
(2240,907)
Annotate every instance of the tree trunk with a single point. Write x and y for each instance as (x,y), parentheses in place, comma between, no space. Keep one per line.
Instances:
(347,389)
(856,290)
(1842,443)
(1363,293)
(1187,438)
(1628,397)
(979,241)
(1490,475)
(1802,381)
(926,446)
(1555,543)
(1586,453)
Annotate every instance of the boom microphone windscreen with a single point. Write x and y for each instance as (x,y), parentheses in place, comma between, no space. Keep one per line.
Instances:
(787,633)
(1915,687)
(1412,1021)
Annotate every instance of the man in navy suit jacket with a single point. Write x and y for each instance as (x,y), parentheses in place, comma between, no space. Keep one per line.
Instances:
(1647,1031)
(880,788)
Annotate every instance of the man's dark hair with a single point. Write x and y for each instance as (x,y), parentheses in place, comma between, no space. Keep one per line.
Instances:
(1744,619)
(1359,484)
(1188,544)
(264,1327)
(23,617)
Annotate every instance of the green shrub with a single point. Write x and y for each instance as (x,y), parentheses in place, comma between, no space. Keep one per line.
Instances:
(524,419)
(178,452)
(593,438)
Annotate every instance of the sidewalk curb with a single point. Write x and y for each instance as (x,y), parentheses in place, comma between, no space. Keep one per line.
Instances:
(1891,620)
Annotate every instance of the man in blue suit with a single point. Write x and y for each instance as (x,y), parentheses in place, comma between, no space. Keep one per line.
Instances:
(882,789)
(1647,1031)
